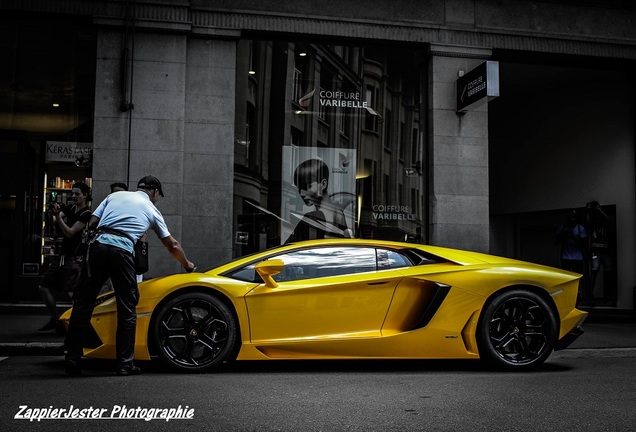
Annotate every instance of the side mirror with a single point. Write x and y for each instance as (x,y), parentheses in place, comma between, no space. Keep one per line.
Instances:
(267,269)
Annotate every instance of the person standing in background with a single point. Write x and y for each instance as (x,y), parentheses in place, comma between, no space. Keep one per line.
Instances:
(602,252)
(572,236)
(65,274)
(118,187)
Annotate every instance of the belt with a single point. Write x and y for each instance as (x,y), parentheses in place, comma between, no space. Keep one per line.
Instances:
(108,230)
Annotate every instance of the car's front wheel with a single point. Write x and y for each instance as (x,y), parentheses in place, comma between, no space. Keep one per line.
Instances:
(517,331)
(194,332)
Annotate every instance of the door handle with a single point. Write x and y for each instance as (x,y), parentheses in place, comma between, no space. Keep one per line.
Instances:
(378,283)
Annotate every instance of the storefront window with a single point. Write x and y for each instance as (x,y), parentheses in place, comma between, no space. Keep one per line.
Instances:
(340,131)
(47,86)
(370,116)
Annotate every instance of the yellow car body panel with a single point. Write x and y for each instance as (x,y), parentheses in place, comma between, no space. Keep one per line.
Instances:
(298,309)
(442,338)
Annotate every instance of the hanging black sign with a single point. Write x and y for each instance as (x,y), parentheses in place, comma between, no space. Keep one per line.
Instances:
(478,86)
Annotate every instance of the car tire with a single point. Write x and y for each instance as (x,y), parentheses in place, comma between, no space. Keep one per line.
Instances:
(517,331)
(194,332)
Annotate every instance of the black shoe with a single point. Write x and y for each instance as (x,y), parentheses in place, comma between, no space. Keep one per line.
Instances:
(51,325)
(126,371)
(73,368)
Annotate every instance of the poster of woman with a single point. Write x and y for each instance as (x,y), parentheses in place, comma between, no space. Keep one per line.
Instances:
(318,193)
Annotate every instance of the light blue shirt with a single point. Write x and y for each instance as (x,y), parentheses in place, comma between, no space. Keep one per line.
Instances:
(132,213)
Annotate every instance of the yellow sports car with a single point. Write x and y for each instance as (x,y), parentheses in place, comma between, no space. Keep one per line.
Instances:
(351,299)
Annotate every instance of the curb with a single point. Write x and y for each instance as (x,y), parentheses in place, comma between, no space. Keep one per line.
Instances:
(31,308)
(31,349)
(573,353)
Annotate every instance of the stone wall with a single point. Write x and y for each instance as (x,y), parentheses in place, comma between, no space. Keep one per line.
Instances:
(178,127)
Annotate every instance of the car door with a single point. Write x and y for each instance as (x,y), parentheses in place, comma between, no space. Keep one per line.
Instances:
(323,292)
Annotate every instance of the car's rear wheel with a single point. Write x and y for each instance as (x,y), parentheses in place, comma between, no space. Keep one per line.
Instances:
(194,332)
(517,331)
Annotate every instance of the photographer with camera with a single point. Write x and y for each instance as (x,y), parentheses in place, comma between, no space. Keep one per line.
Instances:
(64,274)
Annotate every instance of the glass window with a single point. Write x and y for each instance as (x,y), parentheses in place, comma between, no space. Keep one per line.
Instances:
(247,274)
(388,259)
(322,110)
(348,111)
(315,263)
(371,118)
(388,133)
(298,84)
(403,140)
(325,262)
(328,261)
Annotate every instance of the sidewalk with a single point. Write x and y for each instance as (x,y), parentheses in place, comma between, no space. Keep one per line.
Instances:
(19,336)
(18,330)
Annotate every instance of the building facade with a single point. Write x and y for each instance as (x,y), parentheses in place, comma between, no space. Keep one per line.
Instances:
(237,106)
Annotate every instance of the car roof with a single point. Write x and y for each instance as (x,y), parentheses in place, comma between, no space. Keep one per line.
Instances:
(454,255)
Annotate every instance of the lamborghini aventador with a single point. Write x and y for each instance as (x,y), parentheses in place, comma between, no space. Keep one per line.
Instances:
(351,299)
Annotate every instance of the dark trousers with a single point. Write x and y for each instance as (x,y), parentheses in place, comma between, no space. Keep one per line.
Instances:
(600,257)
(575,266)
(105,262)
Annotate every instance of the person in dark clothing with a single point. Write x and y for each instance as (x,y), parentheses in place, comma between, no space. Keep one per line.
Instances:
(572,236)
(602,252)
(120,220)
(118,187)
(64,274)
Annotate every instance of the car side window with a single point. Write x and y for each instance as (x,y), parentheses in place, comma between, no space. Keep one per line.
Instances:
(328,261)
(325,262)
(390,259)
(247,274)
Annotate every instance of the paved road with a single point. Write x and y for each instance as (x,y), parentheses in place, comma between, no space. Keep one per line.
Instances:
(584,390)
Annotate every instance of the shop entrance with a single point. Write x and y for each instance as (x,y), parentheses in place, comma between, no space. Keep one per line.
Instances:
(20,214)
(48,82)
(560,136)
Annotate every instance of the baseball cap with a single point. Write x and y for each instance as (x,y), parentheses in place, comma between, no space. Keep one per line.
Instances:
(150,182)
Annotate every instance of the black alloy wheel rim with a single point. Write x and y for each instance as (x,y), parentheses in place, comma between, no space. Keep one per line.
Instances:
(193,333)
(519,330)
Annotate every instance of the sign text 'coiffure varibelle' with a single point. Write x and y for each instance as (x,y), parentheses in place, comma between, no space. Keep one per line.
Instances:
(478,86)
